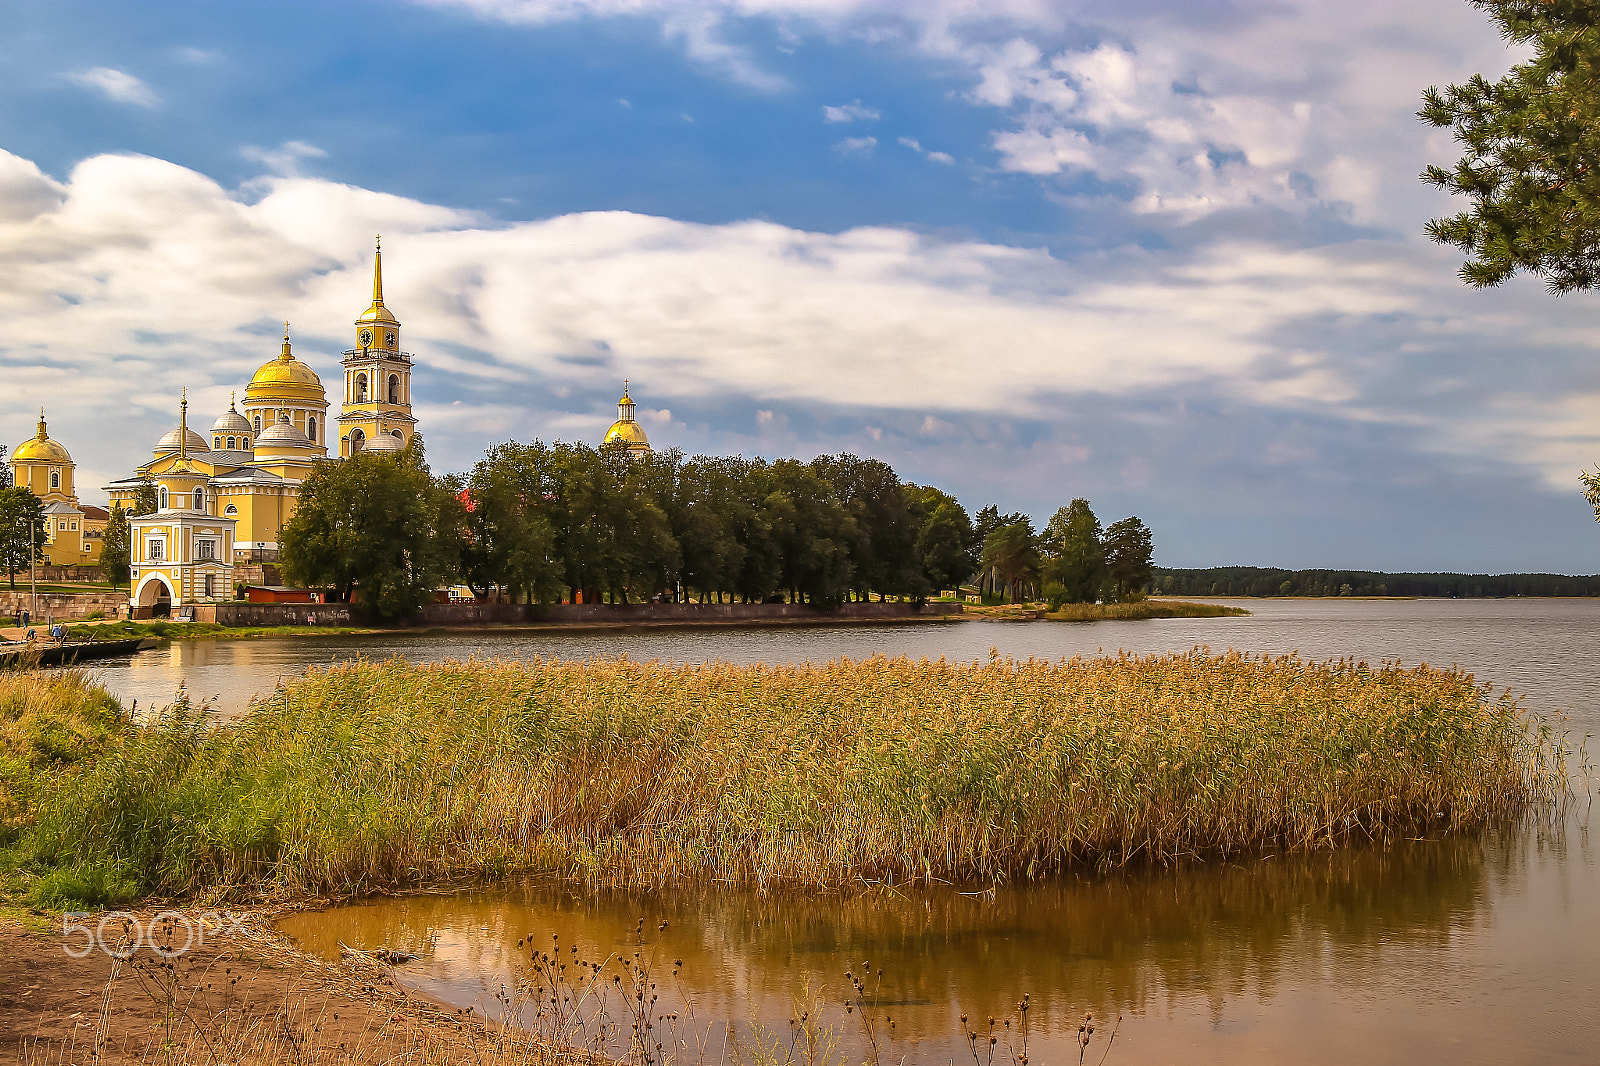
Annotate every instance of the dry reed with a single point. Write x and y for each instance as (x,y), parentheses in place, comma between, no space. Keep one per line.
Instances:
(368,776)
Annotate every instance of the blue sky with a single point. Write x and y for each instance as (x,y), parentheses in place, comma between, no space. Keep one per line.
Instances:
(1166,255)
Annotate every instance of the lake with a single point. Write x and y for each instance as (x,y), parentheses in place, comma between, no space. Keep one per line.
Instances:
(1428,951)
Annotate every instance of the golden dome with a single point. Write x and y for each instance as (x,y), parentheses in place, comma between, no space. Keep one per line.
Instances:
(285,378)
(628,432)
(40,449)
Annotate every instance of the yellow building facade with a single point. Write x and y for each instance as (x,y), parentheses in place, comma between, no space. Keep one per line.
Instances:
(223,499)
(72,531)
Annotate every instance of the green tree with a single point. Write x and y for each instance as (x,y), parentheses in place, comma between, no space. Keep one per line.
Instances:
(377,523)
(812,530)
(944,546)
(145,501)
(1075,558)
(5,469)
(883,554)
(116,546)
(1531,164)
(1011,553)
(1128,549)
(22,532)
(510,542)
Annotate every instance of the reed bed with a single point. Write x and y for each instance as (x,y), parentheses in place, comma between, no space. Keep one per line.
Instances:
(371,776)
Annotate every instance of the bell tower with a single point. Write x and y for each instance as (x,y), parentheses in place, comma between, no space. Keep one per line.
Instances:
(377,378)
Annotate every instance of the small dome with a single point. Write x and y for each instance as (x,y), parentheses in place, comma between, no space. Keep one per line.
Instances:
(379,314)
(628,432)
(40,449)
(385,442)
(169,443)
(231,422)
(282,434)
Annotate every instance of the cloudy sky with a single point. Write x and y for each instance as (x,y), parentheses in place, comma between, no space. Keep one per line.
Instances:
(1165,254)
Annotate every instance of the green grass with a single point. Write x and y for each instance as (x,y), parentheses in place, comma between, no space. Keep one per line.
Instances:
(163,629)
(369,777)
(1096,612)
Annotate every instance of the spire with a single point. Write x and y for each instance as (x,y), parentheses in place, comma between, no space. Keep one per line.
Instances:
(377,274)
(183,421)
(42,434)
(230,399)
(285,355)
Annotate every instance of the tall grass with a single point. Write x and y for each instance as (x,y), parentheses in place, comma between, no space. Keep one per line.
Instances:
(369,776)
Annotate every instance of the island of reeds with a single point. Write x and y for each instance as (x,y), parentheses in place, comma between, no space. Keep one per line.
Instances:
(374,776)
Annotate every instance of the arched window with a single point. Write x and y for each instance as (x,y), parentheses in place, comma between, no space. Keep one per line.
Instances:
(233,443)
(230,509)
(258,423)
(358,440)
(361,388)
(246,444)
(217,443)
(163,497)
(55,479)
(396,433)
(199,500)
(394,388)
(311,428)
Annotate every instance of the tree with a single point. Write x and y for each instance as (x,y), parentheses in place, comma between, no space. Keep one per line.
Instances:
(5,470)
(1591,491)
(22,531)
(884,551)
(1011,552)
(377,523)
(145,501)
(510,542)
(1531,166)
(1075,557)
(116,546)
(1128,550)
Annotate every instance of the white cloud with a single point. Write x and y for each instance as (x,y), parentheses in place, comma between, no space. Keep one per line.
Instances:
(284,159)
(116,85)
(856,146)
(851,112)
(936,157)
(136,277)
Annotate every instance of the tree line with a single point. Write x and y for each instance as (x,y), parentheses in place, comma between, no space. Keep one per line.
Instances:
(1268,581)
(541,523)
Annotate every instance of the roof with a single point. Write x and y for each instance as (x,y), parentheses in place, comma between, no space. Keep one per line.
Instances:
(169,443)
(626,431)
(40,448)
(57,507)
(99,514)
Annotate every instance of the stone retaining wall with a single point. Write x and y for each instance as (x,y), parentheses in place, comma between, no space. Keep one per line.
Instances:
(276,614)
(55,606)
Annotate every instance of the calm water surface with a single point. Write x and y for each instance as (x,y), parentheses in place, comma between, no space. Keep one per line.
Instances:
(1455,951)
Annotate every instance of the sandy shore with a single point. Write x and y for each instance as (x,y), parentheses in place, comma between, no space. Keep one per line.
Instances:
(239,993)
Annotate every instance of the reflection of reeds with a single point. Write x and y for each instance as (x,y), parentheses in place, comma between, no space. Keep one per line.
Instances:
(371,775)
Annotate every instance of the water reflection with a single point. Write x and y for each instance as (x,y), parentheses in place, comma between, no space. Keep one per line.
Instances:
(1544,649)
(1385,952)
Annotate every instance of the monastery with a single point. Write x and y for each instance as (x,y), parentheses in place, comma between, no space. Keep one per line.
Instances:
(222,500)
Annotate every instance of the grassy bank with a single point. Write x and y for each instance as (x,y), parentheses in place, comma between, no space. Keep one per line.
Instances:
(165,630)
(373,776)
(1096,612)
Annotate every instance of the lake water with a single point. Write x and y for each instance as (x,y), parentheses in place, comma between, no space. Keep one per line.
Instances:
(1440,951)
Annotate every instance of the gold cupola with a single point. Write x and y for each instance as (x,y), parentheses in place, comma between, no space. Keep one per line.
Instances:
(377,328)
(287,386)
(626,432)
(40,448)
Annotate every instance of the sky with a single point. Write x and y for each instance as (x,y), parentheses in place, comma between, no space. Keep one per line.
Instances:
(1167,255)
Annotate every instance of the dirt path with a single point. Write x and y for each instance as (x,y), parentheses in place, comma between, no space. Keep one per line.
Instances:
(238,994)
